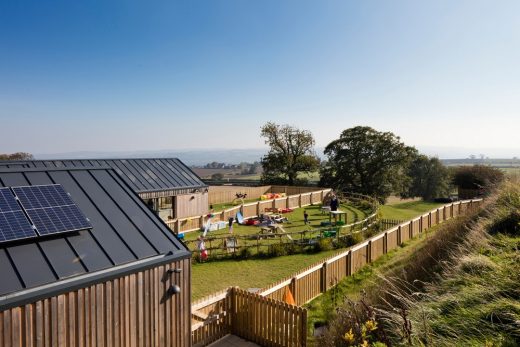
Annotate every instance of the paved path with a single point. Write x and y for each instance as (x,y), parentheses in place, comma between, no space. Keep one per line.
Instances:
(232,341)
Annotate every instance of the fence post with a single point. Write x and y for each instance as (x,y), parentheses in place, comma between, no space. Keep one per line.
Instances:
(258,208)
(369,251)
(287,202)
(385,243)
(300,199)
(233,309)
(177,227)
(294,290)
(349,263)
(399,235)
(304,327)
(324,277)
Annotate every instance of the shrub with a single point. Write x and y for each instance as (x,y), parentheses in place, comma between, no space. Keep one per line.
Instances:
(350,239)
(245,253)
(477,177)
(277,250)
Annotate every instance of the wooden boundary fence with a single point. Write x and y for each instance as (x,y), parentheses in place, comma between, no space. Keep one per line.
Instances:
(316,279)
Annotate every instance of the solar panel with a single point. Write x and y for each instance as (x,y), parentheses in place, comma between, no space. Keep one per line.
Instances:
(51,209)
(14,225)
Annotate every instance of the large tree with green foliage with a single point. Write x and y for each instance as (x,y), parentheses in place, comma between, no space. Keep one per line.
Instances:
(291,152)
(430,179)
(17,156)
(364,160)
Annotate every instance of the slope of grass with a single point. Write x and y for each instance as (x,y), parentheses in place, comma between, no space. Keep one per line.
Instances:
(369,277)
(407,210)
(460,289)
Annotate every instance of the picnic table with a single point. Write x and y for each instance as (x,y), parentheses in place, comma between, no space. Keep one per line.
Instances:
(336,214)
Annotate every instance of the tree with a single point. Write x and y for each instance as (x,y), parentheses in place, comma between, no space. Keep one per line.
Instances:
(218,176)
(290,153)
(17,156)
(367,161)
(430,179)
(480,177)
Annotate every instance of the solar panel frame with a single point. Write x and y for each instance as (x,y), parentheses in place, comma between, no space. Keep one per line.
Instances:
(51,209)
(14,224)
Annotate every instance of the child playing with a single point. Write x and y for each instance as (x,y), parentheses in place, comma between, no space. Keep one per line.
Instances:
(305,217)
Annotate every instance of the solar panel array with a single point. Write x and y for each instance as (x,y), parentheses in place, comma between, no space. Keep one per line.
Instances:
(40,210)
(13,223)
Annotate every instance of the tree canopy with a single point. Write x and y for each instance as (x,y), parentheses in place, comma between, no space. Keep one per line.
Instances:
(291,152)
(429,178)
(364,160)
(17,156)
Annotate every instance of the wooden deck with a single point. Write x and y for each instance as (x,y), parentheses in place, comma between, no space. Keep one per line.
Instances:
(233,341)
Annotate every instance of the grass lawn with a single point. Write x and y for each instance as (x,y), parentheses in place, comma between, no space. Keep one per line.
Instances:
(208,278)
(407,210)
(295,218)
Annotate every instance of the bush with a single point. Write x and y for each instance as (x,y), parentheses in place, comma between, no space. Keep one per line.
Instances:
(245,253)
(477,177)
(277,250)
(350,240)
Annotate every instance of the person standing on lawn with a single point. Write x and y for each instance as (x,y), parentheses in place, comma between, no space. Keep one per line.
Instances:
(230,222)
(305,217)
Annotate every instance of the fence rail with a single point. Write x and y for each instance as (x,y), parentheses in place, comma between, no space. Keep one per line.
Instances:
(307,285)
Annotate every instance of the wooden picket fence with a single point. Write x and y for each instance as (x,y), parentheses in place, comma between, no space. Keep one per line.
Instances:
(263,324)
(256,318)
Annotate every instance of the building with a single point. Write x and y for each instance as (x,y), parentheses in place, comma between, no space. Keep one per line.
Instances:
(120,279)
(166,185)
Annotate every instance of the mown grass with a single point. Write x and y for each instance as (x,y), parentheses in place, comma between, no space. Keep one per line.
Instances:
(407,210)
(208,278)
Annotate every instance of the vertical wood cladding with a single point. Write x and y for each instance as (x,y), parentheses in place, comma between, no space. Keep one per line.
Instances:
(134,310)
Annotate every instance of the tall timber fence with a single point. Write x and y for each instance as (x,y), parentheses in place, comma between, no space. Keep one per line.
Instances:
(213,316)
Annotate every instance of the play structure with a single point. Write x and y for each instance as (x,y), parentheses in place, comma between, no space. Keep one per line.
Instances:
(239,199)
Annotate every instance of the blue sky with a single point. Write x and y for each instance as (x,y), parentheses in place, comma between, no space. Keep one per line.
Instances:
(152,75)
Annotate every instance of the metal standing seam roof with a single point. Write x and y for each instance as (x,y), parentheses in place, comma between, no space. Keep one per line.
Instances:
(144,175)
(124,230)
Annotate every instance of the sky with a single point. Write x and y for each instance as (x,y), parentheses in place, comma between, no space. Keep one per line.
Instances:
(155,75)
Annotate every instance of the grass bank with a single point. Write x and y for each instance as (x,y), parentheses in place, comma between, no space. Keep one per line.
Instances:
(461,288)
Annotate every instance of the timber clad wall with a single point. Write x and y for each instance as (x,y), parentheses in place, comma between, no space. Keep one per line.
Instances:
(134,310)
(191,205)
